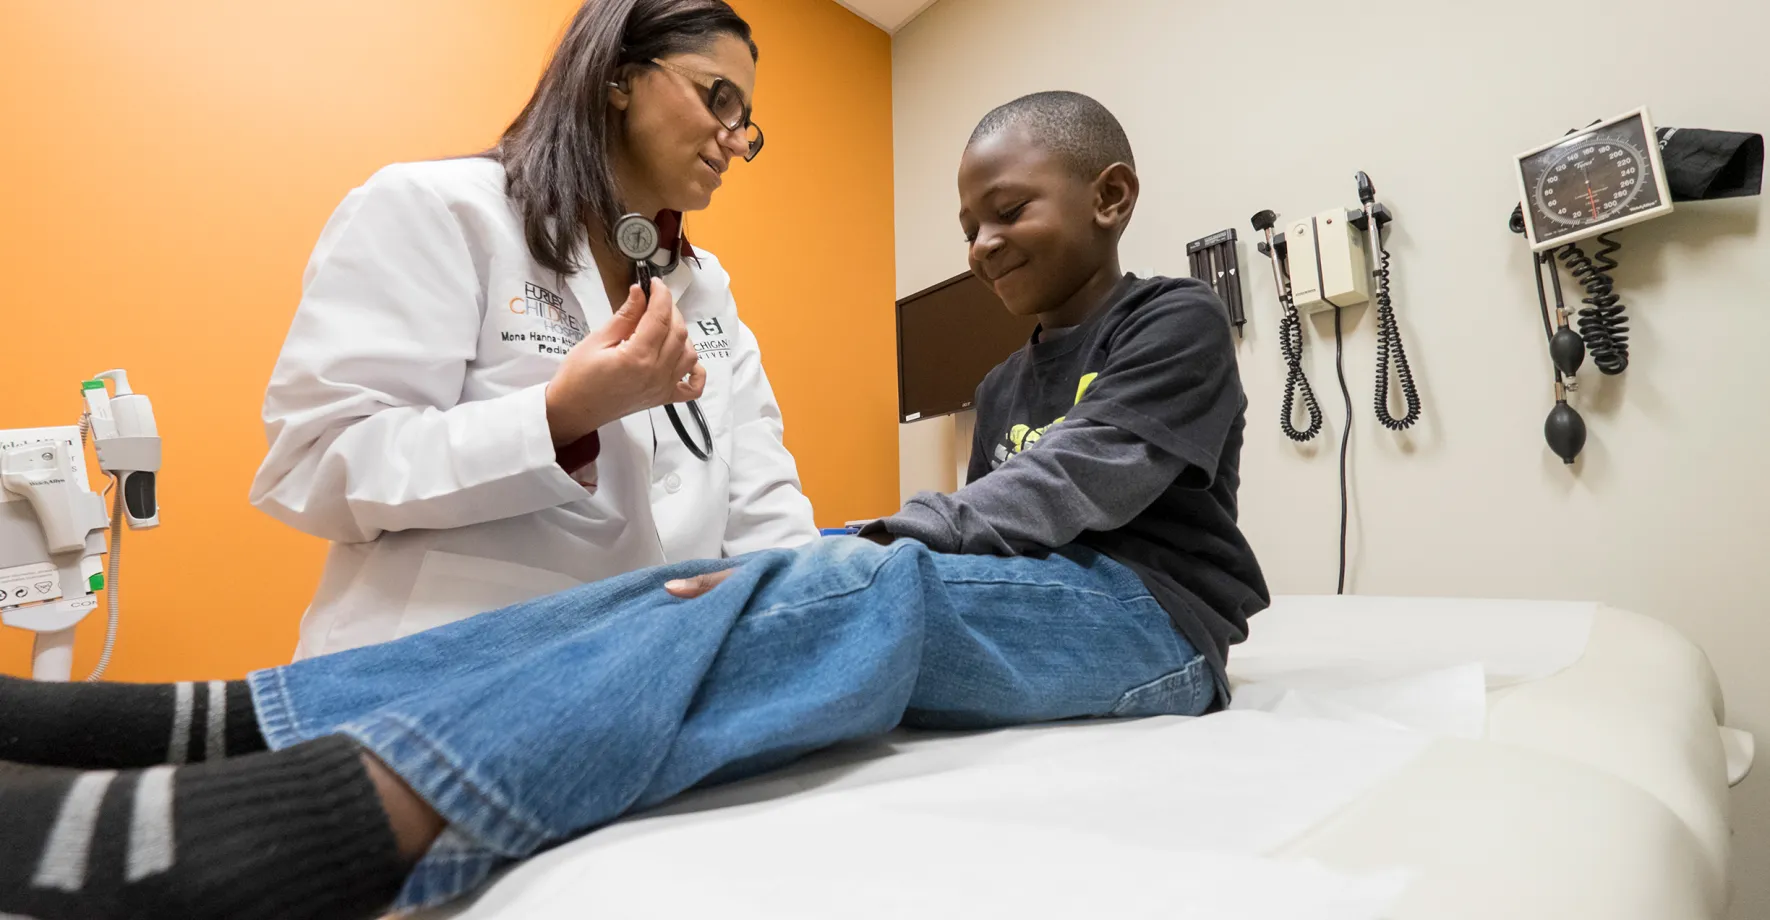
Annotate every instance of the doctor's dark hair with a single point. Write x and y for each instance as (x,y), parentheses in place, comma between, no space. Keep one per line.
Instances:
(1075,127)
(557,154)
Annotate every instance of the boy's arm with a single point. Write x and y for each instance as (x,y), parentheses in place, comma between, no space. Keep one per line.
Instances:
(1161,409)
(1080,476)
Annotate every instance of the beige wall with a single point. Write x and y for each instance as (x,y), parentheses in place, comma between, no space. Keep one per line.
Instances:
(1234,107)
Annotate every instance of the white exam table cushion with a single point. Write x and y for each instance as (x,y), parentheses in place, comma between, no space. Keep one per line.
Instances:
(1494,831)
(1614,690)
(1599,790)
(1105,815)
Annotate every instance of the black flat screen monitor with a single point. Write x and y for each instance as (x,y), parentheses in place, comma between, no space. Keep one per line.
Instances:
(948,337)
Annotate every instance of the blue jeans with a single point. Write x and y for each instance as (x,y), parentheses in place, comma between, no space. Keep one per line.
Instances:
(538,723)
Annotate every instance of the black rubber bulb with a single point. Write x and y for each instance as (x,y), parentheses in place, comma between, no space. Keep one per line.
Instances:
(1567,350)
(1565,431)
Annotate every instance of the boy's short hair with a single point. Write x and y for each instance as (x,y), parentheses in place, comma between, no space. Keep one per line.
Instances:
(1074,126)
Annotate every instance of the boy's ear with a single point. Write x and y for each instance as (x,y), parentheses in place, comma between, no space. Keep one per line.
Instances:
(1115,197)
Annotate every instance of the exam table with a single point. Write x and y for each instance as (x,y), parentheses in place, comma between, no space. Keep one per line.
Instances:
(1385,758)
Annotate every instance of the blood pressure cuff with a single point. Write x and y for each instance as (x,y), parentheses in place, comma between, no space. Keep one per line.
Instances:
(1702,165)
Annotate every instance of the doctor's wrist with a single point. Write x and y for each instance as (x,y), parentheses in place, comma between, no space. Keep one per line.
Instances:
(566,423)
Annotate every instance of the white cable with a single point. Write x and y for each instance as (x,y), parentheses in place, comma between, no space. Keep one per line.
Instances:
(115,566)
(110,586)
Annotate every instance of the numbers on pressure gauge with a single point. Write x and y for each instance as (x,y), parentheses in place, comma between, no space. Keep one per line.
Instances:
(1590,182)
(1597,179)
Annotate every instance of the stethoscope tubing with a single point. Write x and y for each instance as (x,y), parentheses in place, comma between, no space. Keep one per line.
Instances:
(694,410)
(644,271)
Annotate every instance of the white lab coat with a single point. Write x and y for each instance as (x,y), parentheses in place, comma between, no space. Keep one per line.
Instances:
(407,424)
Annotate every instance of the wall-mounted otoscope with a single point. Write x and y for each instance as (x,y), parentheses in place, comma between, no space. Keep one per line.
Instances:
(1326,262)
(1290,341)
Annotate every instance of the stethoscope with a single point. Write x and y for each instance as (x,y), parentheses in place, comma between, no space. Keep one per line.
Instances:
(637,237)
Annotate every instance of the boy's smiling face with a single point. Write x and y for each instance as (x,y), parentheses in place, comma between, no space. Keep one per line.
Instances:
(1038,232)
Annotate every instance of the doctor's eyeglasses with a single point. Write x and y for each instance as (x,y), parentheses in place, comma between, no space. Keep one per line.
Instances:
(725,101)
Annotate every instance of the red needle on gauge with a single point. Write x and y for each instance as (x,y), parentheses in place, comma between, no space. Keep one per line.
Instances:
(1593,200)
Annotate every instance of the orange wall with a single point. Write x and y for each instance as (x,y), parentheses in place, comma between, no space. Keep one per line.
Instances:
(167,166)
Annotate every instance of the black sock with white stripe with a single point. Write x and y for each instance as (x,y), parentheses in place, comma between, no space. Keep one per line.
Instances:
(294,834)
(120,726)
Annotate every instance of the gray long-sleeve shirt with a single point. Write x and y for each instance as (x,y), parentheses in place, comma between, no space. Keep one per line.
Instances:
(1124,435)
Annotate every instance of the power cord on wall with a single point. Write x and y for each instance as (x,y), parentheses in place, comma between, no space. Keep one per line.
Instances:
(1345,445)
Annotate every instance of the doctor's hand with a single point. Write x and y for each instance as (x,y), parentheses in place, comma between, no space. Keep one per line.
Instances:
(697,585)
(691,588)
(640,359)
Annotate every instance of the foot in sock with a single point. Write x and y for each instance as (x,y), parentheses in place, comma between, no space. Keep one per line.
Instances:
(295,834)
(123,726)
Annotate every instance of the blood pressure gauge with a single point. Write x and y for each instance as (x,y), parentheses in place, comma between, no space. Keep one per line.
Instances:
(1592,181)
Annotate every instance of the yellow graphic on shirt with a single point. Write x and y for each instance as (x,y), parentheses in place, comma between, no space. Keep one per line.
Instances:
(1021,437)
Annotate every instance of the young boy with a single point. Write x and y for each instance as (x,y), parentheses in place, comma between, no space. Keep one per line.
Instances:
(1091,567)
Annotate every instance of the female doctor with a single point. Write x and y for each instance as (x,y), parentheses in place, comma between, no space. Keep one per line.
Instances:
(471,401)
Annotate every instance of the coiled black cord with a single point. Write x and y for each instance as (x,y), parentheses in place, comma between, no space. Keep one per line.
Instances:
(1290,341)
(1389,349)
(1601,323)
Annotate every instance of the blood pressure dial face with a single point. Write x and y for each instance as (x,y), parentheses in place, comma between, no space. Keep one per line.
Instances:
(1591,180)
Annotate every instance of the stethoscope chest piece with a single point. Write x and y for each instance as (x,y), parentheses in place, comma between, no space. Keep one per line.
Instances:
(637,237)
(639,240)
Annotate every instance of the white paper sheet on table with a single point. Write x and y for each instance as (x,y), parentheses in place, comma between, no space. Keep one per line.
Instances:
(1033,873)
(1514,641)
(1447,701)
(1020,818)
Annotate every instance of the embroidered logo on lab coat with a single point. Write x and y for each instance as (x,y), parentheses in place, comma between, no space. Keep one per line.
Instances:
(711,340)
(548,326)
